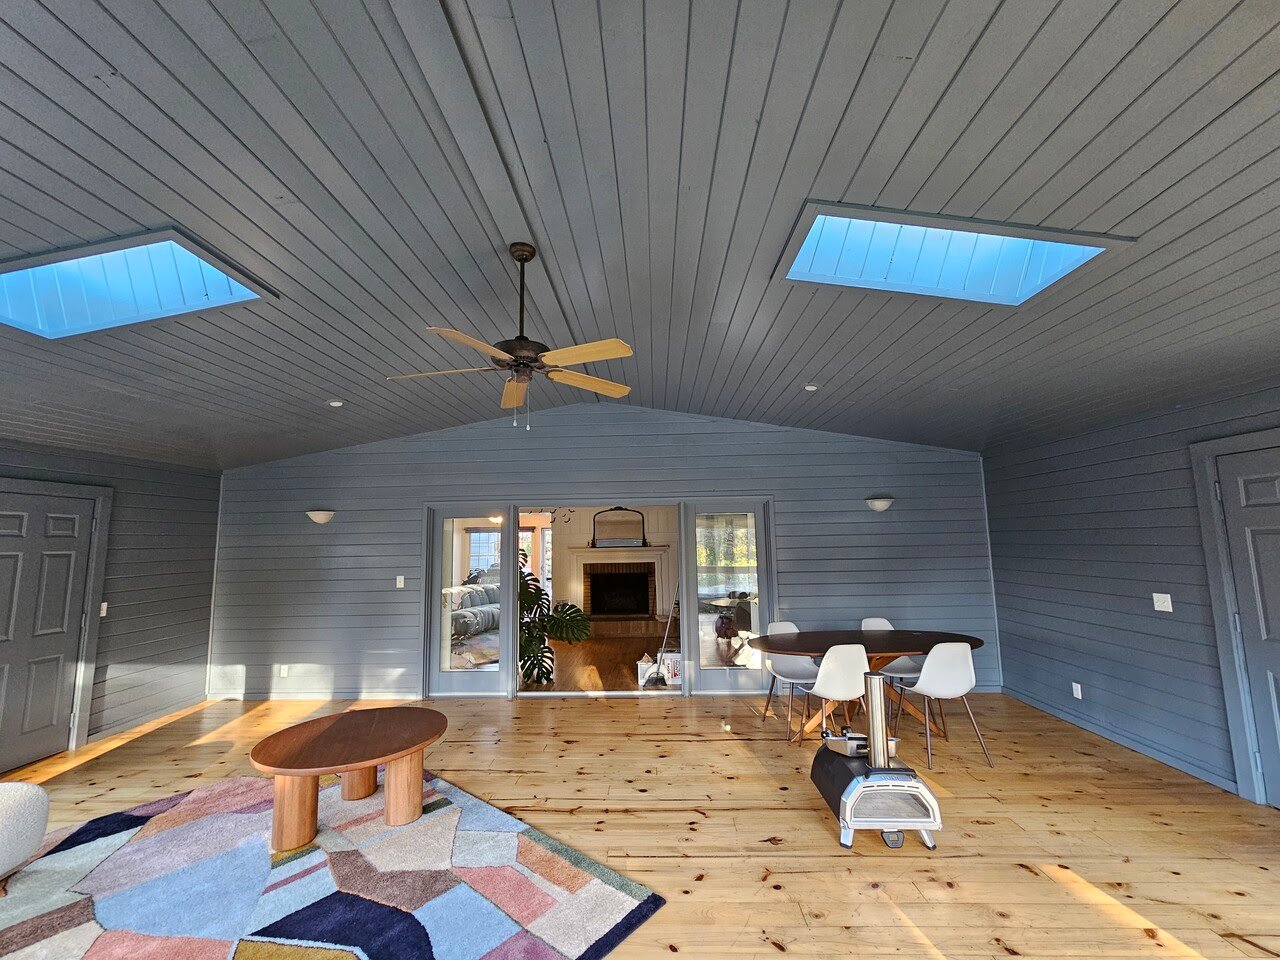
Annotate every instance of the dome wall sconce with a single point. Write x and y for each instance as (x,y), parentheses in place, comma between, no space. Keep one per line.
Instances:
(879,504)
(320,516)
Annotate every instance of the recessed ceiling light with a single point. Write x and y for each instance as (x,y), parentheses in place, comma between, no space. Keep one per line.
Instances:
(810,387)
(336,403)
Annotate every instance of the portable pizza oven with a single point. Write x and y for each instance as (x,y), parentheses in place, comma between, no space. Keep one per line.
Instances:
(867,787)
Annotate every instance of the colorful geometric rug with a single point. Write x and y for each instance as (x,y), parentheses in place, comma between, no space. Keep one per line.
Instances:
(192,877)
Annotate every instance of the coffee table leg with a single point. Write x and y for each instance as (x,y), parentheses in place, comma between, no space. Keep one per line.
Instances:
(404,790)
(293,822)
(358,784)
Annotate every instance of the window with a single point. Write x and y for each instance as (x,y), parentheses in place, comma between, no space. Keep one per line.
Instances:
(484,548)
(941,257)
(112,285)
(471,595)
(728,589)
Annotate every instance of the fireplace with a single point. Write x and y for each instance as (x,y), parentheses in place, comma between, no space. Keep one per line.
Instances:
(618,591)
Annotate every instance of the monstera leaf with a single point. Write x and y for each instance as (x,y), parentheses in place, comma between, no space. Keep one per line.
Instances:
(540,621)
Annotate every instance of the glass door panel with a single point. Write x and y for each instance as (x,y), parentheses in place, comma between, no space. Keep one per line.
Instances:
(468,595)
(730,606)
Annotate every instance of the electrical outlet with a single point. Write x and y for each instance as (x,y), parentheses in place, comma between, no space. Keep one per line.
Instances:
(1076,692)
(1162,602)
(284,669)
(400,583)
(102,610)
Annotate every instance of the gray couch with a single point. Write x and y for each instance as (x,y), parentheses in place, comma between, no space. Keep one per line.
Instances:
(472,609)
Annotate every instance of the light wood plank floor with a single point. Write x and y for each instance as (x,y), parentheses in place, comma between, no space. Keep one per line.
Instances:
(1071,847)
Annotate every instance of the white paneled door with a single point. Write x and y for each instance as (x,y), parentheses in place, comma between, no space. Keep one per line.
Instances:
(1250,484)
(44,566)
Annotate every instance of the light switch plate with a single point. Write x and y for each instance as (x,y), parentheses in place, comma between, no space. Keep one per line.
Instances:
(400,583)
(1162,602)
(1076,692)
(284,669)
(102,610)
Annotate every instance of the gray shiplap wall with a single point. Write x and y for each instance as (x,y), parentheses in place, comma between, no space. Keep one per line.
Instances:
(322,599)
(1083,531)
(153,645)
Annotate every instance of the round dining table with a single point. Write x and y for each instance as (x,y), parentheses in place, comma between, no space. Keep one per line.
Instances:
(882,646)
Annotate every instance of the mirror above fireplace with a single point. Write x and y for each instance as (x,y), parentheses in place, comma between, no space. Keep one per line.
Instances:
(618,527)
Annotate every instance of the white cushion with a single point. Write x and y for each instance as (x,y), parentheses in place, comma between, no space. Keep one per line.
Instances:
(24,813)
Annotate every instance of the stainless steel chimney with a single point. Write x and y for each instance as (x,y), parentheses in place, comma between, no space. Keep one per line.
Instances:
(877,722)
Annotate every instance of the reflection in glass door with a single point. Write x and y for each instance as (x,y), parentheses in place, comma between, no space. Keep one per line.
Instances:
(466,634)
(730,608)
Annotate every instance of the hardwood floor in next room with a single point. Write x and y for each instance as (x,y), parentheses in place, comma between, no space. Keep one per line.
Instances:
(1071,847)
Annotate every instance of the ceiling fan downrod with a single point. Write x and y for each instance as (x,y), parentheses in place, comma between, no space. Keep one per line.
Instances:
(522,253)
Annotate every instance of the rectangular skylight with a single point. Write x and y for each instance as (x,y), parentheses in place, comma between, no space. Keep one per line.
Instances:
(110,285)
(907,253)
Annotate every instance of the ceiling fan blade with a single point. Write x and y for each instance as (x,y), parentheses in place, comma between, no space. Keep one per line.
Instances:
(513,393)
(582,381)
(457,336)
(441,373)
(611,349)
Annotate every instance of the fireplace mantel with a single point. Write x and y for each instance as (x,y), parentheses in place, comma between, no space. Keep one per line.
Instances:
(662,557)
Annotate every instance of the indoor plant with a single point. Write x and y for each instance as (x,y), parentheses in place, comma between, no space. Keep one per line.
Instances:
(541,621)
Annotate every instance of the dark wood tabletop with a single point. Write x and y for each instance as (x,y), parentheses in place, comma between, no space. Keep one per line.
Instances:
(878,643)
(342,742)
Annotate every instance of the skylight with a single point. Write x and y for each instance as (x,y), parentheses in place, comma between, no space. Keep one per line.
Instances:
(910,255)
(111,285)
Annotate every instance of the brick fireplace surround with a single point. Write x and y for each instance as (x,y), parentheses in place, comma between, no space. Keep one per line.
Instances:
(646,568)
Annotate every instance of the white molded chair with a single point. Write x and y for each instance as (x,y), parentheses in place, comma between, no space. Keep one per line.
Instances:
(841,678)
(947,674)
(790,670)
(24,813)
(903,668)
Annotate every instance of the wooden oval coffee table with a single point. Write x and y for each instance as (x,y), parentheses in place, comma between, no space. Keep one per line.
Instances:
(351,744)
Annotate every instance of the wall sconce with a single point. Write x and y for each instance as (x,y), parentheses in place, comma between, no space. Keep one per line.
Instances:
(879,504)
(320,516)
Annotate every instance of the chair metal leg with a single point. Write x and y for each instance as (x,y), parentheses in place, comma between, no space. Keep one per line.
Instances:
(847,719)
(928,740)
(791,699)
(822,709)
(897,717)
(943,718)
(773,682)
(985,751)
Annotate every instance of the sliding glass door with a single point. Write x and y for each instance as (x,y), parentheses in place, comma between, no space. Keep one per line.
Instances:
(469,595)
(726,577)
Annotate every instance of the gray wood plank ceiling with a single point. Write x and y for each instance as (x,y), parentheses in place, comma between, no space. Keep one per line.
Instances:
(371,161)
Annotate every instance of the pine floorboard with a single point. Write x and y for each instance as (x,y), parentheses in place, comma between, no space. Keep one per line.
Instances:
(1072,846)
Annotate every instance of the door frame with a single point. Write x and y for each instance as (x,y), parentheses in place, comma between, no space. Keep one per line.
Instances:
(468,684)
(735,681)
(1241,726)
(87,658)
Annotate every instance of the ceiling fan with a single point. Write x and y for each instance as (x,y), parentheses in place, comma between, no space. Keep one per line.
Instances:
(522,358)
